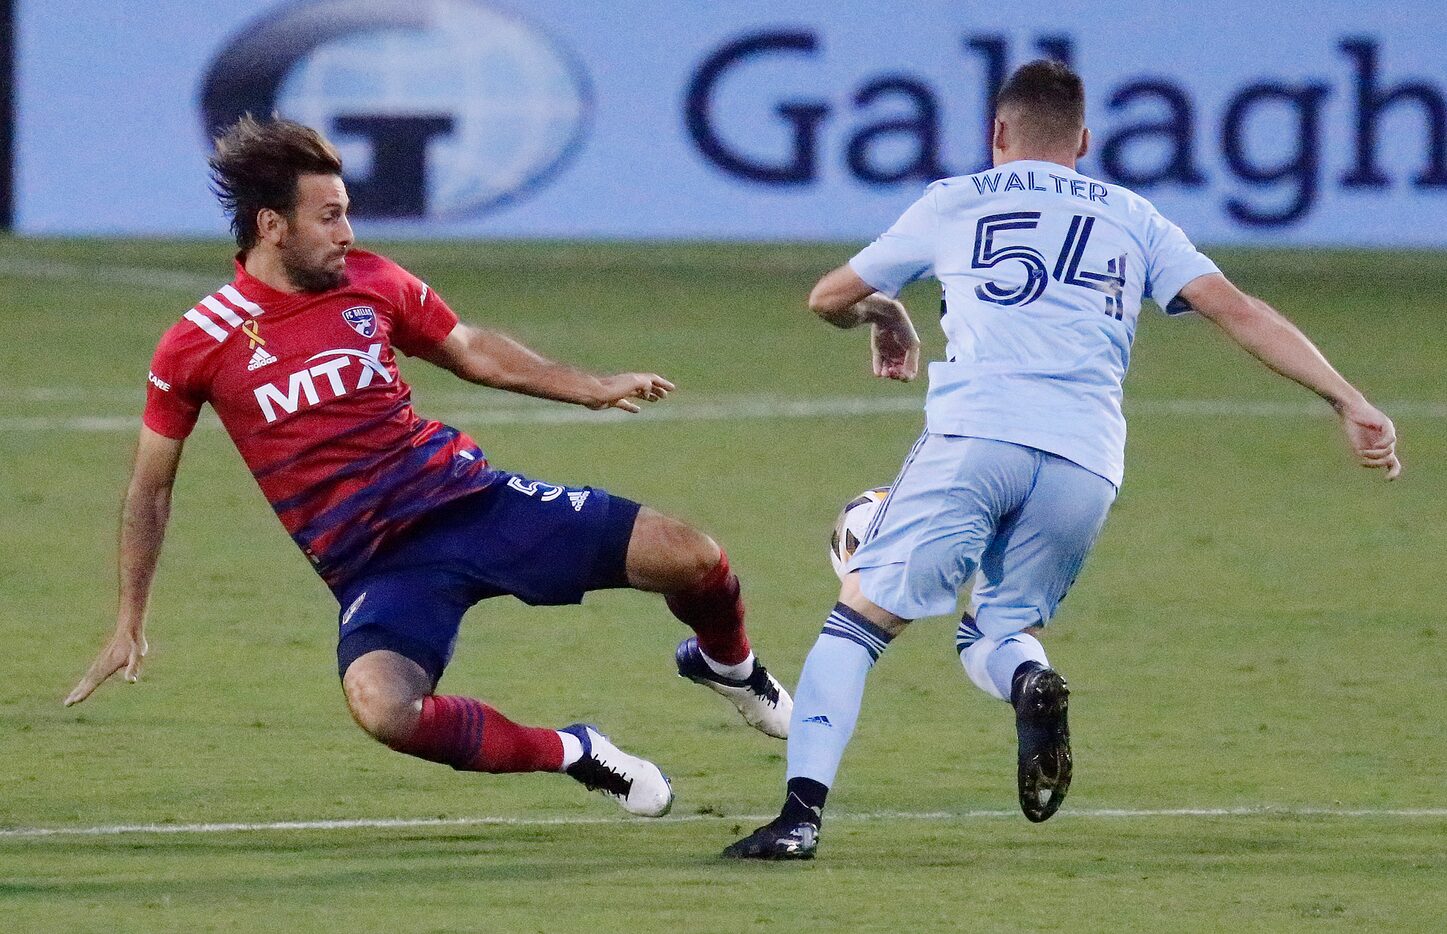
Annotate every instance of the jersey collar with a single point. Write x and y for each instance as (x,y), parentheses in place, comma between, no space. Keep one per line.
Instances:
(258,291)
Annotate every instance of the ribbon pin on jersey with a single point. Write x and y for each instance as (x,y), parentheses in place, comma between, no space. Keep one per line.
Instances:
(253,333)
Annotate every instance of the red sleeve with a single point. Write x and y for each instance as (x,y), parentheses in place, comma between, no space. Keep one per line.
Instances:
(172,400)
(424,320)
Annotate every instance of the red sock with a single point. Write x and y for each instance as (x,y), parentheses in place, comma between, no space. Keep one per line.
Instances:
(472,737)
(715,612)
(510,747)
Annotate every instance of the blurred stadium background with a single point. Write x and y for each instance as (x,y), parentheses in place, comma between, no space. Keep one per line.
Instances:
(1256,646)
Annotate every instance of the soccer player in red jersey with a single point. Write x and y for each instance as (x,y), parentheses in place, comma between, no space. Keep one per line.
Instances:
(403,517)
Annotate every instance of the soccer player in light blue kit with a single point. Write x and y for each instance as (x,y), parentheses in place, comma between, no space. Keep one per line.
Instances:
(1043,270)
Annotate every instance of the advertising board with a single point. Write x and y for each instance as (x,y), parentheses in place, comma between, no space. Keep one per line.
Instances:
(1245,123)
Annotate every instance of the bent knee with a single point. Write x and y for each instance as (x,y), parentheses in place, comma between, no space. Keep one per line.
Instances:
(699,559)
(387,708)
(668,555)
(1001,622)
(387,717)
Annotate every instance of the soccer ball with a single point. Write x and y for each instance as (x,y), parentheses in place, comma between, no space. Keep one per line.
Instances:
(849,528)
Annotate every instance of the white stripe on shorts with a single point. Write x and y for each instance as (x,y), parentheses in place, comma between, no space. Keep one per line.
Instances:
(884,507)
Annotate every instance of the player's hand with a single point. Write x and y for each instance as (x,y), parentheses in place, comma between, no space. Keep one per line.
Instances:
(126,650)
(1372,436)
(894,346)
(618,392)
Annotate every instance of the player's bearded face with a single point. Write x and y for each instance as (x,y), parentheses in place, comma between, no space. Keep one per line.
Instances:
(318,235)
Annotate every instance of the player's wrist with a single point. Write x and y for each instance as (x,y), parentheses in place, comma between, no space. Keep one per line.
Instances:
(593,393)
(1347,400)
(131,616)
(879,309)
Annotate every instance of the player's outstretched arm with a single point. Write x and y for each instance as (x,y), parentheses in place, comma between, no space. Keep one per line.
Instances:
(1276,342)
(144,515)
(489,358)
(847,301)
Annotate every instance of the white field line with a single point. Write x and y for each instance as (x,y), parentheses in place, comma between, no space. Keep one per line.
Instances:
(927,816)
(140,277)
(764,261)
(719,409)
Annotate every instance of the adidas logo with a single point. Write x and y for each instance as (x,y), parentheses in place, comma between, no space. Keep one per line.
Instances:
(578,498)
(260,359)
(820,719)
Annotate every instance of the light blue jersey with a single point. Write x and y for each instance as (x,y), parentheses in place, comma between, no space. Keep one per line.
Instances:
(1043,270)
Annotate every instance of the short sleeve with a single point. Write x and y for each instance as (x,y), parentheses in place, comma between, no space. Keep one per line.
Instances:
(1173,262)
(424,320)
(904,252)
(173,400)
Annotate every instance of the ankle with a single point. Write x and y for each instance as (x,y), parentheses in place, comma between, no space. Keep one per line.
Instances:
(737,671)
(1017,680)
(572,749)
(804,801)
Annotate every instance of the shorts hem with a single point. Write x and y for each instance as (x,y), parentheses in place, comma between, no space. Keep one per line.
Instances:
(375,638)
(871,593)
(610,561)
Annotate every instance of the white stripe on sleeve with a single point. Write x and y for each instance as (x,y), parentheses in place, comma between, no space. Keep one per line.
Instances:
(240,301)
(226,314)
(206,324)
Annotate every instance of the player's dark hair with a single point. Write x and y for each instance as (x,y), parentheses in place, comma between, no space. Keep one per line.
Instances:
(256,165)
(1048,97)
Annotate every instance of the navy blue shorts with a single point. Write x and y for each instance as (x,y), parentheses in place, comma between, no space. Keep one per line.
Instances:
(544,544)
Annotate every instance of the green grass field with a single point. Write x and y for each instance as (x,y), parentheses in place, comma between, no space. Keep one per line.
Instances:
(1259,634)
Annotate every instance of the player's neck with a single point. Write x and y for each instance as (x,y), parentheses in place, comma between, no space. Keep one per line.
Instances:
(265,266)
(1035,155)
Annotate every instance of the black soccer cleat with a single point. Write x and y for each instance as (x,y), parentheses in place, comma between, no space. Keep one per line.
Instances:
(777,840)
(1041,698)
(761,700)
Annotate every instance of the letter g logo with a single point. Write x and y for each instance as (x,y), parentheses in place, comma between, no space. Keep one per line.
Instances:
(451,108)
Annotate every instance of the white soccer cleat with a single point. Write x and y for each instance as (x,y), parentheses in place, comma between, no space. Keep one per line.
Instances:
(636,784)
(760,698)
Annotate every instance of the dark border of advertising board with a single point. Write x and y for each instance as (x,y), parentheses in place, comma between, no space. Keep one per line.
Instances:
(7,113)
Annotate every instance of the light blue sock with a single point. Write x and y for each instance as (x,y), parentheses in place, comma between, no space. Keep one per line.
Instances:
(1011,653)
(831,687)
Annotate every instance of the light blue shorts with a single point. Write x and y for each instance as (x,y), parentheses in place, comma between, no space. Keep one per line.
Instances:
(1024,518)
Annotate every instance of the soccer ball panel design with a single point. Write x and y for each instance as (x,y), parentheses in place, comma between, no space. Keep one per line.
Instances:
(854,520)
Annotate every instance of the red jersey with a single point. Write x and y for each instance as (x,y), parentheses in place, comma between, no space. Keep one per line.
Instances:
(307,386)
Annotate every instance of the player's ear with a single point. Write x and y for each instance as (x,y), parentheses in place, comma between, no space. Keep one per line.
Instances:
(270,225)
(999,136)
(1084,143)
